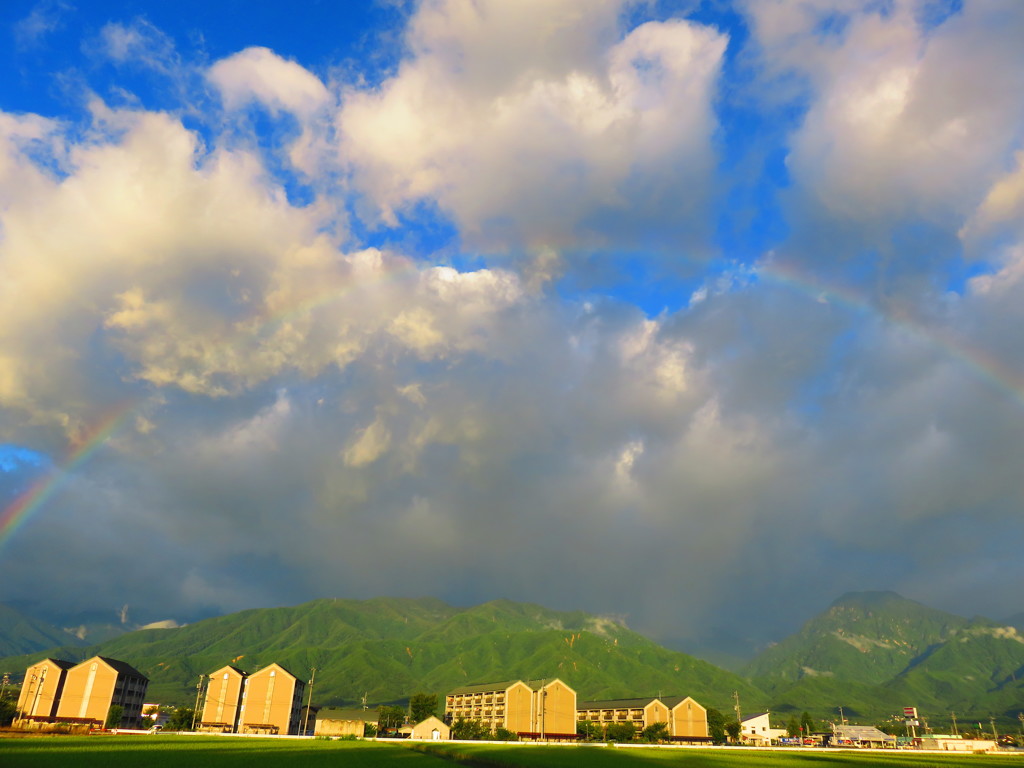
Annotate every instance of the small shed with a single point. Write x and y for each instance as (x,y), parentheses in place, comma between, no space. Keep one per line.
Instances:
(332,721)
(432,729)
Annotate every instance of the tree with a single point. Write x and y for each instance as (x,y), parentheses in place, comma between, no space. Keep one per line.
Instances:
(369,730)
(114,715)
(390,717)
(733,728)
(716,726)
(793,727)
(470,730)
(180,720)
(589,731)
(504,734)
(807,723)
(621,732)
(422,706)
(655,733)
(8,711)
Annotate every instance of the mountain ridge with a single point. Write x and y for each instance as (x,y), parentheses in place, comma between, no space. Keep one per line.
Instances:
(389,648)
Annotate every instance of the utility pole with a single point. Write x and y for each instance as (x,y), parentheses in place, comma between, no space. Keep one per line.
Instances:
(1020,716)
(995,735)
(4,682)
(953,715)
(309,703)
(739,718)
(543,707)
(199,693)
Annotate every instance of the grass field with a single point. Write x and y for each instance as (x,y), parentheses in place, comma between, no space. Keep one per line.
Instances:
(197,751)
(169,751)
(528,756)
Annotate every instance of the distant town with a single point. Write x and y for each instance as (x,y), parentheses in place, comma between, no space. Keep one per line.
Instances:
(102,693)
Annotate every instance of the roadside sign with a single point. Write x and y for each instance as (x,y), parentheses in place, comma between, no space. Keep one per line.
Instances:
(910,712)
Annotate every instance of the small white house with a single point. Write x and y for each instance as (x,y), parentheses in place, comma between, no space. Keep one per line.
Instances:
(756,729)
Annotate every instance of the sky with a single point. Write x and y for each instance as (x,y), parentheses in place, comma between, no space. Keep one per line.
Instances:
(699,314)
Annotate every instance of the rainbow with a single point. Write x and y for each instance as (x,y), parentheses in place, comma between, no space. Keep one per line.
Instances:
(43,489)
(982,365)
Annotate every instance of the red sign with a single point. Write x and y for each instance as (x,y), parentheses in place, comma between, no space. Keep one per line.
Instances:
(910,712)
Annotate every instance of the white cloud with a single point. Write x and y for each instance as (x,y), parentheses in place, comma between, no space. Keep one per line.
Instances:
(903,120)
(45,17)
(526,127)
(258,74)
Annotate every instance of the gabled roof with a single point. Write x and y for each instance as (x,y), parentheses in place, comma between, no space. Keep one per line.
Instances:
(62,663)
(234,669)
(754,717)
(545,683)
(124,667)
(274,665)
(674,701)
(434,719)
(121,667)
(533,685)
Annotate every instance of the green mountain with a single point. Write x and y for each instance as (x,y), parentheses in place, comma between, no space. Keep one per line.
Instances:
(976,670)
(867,637)
(20,633)
(873,653)
(390,648)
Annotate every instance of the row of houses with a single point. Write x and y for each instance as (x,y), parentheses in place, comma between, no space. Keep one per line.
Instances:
(269,701)
(83,693)
(548,710)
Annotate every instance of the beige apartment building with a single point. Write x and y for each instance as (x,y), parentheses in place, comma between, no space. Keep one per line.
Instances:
(545,709)
(97,684)
(686,719)
(270,702)
(42,689)
(223,700)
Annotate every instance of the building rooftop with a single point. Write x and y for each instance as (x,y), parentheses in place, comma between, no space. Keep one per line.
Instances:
(638,703)
(62,663)
(123,667)
(354,713)
(486,687)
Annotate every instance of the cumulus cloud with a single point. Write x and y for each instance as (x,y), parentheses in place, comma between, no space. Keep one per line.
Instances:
(531,127)
(258,74)
(905,120)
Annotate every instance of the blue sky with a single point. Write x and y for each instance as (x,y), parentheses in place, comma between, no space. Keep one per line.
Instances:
(501,299)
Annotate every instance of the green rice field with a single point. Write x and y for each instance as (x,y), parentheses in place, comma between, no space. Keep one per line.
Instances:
(170,751)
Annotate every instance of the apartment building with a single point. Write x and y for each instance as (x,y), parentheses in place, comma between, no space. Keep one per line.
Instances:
(223,700)
(42,689)
(544,709)
(688,720)
(271,700)
(685,718)
(641,712)
(97,684)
